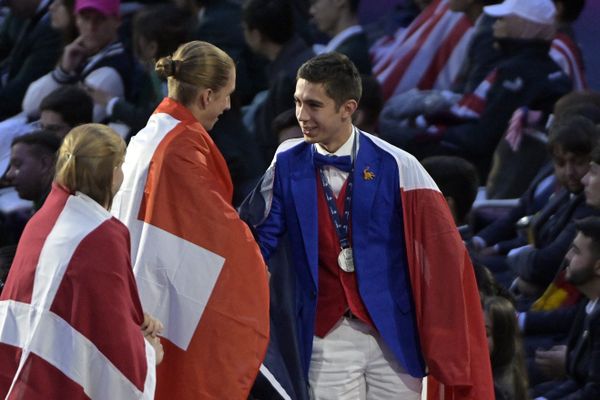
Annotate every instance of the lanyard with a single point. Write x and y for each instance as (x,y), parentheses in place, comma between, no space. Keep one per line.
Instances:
(341,222)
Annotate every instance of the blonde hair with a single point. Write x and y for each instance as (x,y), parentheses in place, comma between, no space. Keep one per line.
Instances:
(86,161)
(195,65)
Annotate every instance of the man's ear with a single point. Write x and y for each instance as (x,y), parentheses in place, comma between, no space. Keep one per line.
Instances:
(47,161)
(596,268)
(348,108)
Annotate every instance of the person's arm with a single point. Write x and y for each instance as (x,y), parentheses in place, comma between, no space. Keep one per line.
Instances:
(42,56)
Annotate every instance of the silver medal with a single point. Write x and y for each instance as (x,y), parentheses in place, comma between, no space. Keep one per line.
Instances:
(345,260)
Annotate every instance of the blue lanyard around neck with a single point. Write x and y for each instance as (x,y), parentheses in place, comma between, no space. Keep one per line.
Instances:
(341,222)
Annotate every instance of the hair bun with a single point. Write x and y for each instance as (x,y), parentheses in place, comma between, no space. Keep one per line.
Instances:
(167,67)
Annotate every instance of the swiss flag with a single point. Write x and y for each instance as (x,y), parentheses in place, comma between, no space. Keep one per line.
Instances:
(196,263)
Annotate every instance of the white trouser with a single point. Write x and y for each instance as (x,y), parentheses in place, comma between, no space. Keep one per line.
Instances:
(352,362)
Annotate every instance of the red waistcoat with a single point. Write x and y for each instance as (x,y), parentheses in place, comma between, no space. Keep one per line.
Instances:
(338,290)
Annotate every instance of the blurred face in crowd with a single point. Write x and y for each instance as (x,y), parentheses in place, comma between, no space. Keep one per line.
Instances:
(96,30)
(569,169)
(591,184)
(53,122)
(581,261)
(325,14)
(60,16)
(320,119)
(28,172)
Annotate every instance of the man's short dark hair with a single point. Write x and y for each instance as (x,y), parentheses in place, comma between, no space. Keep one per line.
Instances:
(457,178)
(274,19)
(41,142)
(338,75)
(590,227)
(72,103)
(353,4)
(575,134)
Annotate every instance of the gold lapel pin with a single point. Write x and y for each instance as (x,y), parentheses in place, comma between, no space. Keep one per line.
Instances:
(368,175)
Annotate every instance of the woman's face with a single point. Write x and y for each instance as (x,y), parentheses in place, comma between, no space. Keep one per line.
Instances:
(219,102)
(60,16)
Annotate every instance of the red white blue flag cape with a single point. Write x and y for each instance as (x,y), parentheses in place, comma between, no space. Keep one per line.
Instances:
(447,304)
(196,263)
(70,315)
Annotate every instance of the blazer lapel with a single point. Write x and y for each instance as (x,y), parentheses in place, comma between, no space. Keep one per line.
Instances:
(304,191)
(367,175)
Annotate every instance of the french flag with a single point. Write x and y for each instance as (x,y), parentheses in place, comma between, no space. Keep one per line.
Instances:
(448,309)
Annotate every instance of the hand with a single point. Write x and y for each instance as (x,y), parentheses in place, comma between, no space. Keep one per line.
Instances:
(158,348)
(477,244)
(528,289)
(151,327)
(73,55)
(552,363)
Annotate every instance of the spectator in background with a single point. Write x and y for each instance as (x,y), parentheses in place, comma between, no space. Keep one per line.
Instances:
(269,31)
(62,19)
(534,254)
(157,32)
(565,51)
(285,126)
(515,167)
(527,76)
(31,170)
(458,182)
(96,59)
(219,22)
(581,356)
(29,48)
(366,117)
(506,353)
(64,109)
(339,20)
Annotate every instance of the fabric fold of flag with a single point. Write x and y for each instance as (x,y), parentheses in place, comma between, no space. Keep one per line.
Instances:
(197,265)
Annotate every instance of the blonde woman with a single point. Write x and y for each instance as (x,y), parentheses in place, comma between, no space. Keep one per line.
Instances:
(197,265)
(71,323)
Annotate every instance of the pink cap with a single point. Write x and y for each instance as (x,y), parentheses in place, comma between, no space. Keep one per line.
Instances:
(108,8)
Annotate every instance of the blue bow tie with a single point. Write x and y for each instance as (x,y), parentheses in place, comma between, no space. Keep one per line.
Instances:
(343,163)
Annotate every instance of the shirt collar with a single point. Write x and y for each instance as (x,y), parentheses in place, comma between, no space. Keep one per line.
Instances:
(344,150)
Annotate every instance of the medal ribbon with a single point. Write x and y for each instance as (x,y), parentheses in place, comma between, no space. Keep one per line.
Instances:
(340,221)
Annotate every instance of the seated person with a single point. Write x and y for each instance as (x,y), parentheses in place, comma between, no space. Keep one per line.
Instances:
(458,182)
(582,352)
(526,77)
(29,48)
(32,162)
(96,59)
(536,255)
(269,32)
(339,21)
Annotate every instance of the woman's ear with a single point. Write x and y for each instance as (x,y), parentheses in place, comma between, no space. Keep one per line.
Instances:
(203,98)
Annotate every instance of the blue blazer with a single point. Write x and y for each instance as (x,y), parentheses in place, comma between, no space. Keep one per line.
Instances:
(377,239)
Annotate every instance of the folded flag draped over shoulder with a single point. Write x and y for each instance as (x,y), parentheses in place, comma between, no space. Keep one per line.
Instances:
(196,263)
(70,314)
(447,305)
